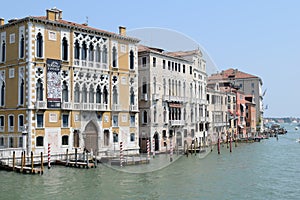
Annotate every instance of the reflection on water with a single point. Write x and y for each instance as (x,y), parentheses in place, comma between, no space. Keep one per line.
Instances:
(265,170)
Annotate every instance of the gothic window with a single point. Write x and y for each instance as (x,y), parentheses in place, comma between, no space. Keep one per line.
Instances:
(91,94)
(64,49)
(83,51)
(105,95)
(22,46)
(39,45)
(84,94)
(21,92)
(104,54)
(114,57)
(76,93)
(115,95)
(132,96)
(131,59)
(39,90)
(154,115)
(98,94)
(77,50)
(2,100)
(65,92)
(145,117)
(98,54)
(91,52)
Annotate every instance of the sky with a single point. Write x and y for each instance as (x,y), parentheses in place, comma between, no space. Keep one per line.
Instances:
(257,37)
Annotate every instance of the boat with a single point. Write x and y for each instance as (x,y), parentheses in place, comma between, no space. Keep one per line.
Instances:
(296,128)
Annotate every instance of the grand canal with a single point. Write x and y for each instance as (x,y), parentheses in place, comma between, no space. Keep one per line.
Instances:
(266,170)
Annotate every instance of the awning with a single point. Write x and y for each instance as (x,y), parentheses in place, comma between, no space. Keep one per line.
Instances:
(175,105)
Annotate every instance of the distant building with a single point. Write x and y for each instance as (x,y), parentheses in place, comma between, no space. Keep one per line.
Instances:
(247,83)
(66,84)
(172,103)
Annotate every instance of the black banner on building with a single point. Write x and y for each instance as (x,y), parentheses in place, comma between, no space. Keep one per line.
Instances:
(53,83)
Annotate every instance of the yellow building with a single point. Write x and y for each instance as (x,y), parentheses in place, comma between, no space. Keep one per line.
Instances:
(68,85)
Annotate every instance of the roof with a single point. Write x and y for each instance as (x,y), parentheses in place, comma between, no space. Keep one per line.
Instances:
(70,25)
(184,53)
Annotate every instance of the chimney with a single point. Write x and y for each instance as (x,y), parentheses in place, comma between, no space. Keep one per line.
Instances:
(122,30)
(1,21)
(54,14)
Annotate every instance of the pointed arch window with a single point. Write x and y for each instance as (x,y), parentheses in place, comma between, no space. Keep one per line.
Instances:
(91,94)
(2,100)
(39,45)
(145,117)
(39,90)
(21,92)
(132,96)
(65,92)
(76,93)
(91,52)
(22,46)
(104,54)
(154,115)
(98,54)
(83,51)
(105,95)
(98,94)
(131,59)
(76,50)
(65,49)
(115,95)
(114,57)
(84,94)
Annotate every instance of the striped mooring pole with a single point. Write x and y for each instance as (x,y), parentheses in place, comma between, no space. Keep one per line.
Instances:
(49,156)
(121,154)
(153,147)
(148,149)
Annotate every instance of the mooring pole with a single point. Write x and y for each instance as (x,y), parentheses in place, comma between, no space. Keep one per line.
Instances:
(14,160)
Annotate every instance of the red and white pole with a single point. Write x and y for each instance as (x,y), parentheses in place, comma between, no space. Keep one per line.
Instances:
(49,156)
(148,149)
(171,150)
(153,147)
(121,154)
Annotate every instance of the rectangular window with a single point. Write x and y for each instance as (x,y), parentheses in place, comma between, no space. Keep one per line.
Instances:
(191,70)
(169,65)
(115,120)
(12,38)
(132,120)
(175,66)
(154,62)
(20,144)
(132,137)
(1,123)
(115,137)
(144,61)
(183,69)
(65,120)
(65,140)
(164,64)
(52,35)
(40,120)
(178,67)
(172,66)
(11,73)
(1,141)
(124,117)
(11,142)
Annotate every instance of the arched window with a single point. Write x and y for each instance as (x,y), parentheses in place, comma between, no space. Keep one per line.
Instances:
(165,86)
(154,85)
(104,54)
(65,92)
(105,95)
(154,115)
(64,49)
(145,117)
(77,50)
(115,95)
(132,96)
(114,57)
(98,94)
(132,137)
(2,94)
(76,93)
(22,46)
(91,52)
(39,90)
(84,94)
(39,45)
(91,94)
(98,54)
(21,121)
(39,141)
(144,88)
(83,51)
(3,51)
(21,92)
(131,59)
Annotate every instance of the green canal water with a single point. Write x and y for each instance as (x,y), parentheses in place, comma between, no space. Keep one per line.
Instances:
(266,170)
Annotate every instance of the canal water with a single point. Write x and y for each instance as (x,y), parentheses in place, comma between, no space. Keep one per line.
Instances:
(264,170)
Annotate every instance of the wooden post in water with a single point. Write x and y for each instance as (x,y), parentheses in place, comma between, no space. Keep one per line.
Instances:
(31,154)
(230,144)
(42,163)
(22,163)
(67,157)
(218,145)
(227,138)
(195,145)
(14,160)
(75,157)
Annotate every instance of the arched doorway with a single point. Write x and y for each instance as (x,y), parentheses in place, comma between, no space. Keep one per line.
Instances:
(91,137)
(179,139)
(156,141)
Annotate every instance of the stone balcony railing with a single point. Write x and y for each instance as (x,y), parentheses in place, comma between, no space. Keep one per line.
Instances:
(177,122)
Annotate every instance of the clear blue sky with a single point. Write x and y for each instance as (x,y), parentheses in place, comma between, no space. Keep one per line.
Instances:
(257,37)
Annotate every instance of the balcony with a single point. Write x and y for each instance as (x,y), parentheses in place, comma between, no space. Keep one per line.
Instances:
(90,64)
(202,101)
(177,122)
(144,97)
(133,108)
(66,105)
(116,107)
(41,105)
(101,106)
